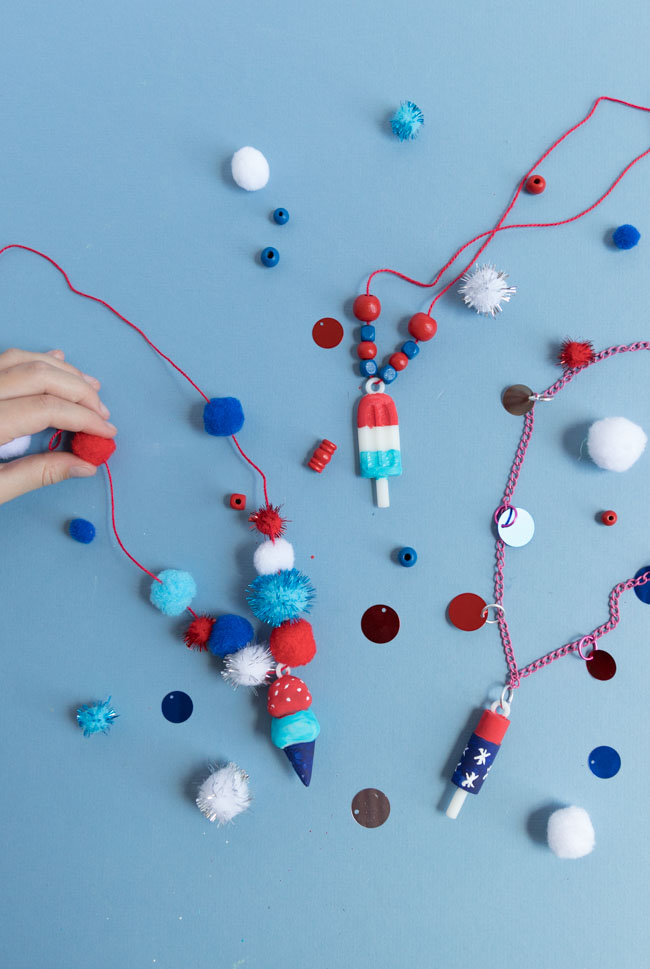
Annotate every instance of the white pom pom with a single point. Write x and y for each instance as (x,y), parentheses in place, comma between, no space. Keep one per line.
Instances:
(224,794)
(273,556)
(249,666)
(616,443)
(485,289)
(250,169)
(14,448)
(570,833)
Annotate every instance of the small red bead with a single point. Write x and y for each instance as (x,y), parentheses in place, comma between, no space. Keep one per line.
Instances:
(238,502)
(609,518)
(399,361)
(535,184)
(366,308)
(422,326)
(367,350)
(322,455)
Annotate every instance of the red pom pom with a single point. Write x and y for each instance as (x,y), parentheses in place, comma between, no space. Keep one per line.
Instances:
(575,354)
(92,448)
(288,694)
(269,521)
(293,643)
(198,632)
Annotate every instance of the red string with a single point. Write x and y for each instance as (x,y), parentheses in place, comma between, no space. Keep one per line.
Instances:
(253,465)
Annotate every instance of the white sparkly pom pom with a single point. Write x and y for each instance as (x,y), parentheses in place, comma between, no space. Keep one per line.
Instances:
(249,666)
(485,289)
(570,833)
(250,169)
(616,443)
(224,794)
(15,448)
(273,556)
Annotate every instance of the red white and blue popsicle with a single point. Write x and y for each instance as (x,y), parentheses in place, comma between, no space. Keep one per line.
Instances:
(378,429)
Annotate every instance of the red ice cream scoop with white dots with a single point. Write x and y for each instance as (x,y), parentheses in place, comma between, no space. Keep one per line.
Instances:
(288,694)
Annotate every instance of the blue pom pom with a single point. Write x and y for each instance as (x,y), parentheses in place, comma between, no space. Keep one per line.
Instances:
(173,594)
(97,718)
(407,121)
(280,596)
(626,237)
(81,530)
(223,416)
(230,634)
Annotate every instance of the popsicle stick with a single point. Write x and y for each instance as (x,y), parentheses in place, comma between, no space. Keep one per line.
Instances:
(456,803)
(383,500)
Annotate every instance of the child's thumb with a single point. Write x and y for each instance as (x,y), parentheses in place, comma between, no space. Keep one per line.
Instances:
(37,470)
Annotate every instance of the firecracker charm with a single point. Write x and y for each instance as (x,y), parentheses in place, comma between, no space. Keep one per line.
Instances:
(478,756)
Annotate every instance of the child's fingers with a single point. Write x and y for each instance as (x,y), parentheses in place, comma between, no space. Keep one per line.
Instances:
(26,474)
(38,377)
(29,415)
(13,357)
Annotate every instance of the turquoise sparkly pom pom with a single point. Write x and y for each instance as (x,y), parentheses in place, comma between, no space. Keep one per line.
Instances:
(96,718)
(280,596)
(174,592)
(407,121)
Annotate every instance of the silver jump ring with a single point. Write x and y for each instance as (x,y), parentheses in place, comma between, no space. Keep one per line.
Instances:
(493,605)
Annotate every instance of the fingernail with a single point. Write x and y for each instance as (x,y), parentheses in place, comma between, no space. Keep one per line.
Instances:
(56,353)
(111,427)
(103,409)
(93,381)
(81,471)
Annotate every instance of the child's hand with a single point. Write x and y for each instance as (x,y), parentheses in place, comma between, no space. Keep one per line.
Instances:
(40,390)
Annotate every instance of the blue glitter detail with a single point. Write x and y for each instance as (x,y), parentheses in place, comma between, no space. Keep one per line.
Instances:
(280,596)
(380,464)
(407,121)
(96,718)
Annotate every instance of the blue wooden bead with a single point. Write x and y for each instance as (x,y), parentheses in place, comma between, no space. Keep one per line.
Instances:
(281,216)
(368,332)
(410,348)
(388,374)
(407,556)
(368,368)
(270,256)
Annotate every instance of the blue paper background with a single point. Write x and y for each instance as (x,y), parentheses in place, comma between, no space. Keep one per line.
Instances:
(118,123)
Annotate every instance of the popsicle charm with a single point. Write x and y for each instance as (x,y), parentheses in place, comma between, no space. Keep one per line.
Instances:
(378,430)
(476,761)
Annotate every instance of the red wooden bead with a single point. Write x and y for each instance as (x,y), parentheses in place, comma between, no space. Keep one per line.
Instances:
(322,455)
(535,184)
(399,361)
(238,502)
(422,326)
(609,518)
(367,350)
(366,308)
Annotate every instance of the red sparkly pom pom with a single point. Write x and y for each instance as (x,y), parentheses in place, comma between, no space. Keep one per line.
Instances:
(198,632)
(293,643)
(575,354)
(269,521)
(92,448)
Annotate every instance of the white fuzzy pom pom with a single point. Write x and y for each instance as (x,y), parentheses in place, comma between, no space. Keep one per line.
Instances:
(273,556)
(250,169)
(15,448)
(249,666)
(224,794)
(485,289)
(616,443)
(570,833)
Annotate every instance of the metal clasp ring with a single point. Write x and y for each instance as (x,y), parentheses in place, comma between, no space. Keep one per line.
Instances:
(504,704)
(493,605)
(500,510)
(594,644)
(539,397)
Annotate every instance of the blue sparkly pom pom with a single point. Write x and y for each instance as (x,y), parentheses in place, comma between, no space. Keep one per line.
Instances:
(229,634)
(280,596)
(626,237)
(407,121)
(81,530)
(173,594)
(223,416)
(97,718)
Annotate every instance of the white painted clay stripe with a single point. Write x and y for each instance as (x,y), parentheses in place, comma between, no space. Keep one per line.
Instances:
(379,438)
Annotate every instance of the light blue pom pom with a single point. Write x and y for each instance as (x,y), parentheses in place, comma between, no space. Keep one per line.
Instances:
(97,718)
(173,594)
(407,121)
(280,596)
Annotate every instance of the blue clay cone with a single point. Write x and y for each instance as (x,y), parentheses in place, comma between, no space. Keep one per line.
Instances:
(301,757)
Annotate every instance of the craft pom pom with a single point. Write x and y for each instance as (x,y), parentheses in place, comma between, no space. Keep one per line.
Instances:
(407,121)
(15,448)
(250,169)
(223,416)
(615,443)
(174,591)
(273,556)
(198,633)
(570,833)
(81,530)
(280,597)
(92,448)
(96,718)
(229,634)
(224,794)
(626,237)
(575,353)
(250,666)
(268,521)
(293,643)
(485,289)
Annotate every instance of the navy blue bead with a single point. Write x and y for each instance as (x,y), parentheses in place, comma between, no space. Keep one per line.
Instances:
(368,368)
(407,556)
(368,332)
(81,530)
(410,348)
(281,216)
(270,256)
(388,374)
